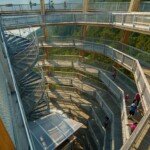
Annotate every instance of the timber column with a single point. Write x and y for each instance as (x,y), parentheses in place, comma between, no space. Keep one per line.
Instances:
(45,32)
(134,6)
(85,9)
(5,140)
(84,27)
(43,12)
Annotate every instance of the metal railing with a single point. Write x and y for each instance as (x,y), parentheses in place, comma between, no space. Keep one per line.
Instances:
(119,93)
(127,80)
(113,88)
(116,6)
(19,8)
(125,60)
(109,113)
(129,63)
(145,6)
(132,141)
(108,6)
(123,115)
(18,95)
(93,134)
(5,102)
(75,6)
(10,8)
(133,21)
(101,127)
(141,55)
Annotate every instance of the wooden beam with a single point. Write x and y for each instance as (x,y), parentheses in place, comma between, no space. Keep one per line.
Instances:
(43,12)
(85,5)
(134,6)
(85,27)
(5,140)
(85,9)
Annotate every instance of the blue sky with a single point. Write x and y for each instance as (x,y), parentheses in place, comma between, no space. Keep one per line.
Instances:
(34,1)
(25,1)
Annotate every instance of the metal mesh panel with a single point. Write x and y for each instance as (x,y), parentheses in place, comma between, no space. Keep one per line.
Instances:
(52,130)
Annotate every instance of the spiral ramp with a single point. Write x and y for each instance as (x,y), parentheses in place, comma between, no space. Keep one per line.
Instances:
(23,53)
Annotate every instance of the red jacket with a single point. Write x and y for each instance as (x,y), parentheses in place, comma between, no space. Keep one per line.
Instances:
(137,97)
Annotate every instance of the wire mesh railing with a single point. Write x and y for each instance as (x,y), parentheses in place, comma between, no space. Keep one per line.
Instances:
(126,20)
(29,54)
(91,91)
(74,6)
(117,6)
(109,6)
(66,6)
(119,93)
(128,62)
(142,85)
(133,140)
(23,117)
(141,55)
(116,93)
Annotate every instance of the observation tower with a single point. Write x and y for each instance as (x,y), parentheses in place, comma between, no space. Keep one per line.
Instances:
(75,75)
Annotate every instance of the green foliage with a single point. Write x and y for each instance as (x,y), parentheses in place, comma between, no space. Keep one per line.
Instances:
(136,40)
(104,33)
(64,51)
(140,41)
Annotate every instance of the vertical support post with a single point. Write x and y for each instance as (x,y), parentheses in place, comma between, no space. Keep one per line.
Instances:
(85,9)
(5,140)
(134,6)
(122,19)
(85,27)
(5,66)
(45,32)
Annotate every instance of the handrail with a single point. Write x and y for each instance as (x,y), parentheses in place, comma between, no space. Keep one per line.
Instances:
(113,87)
(96,140)
(129,21)
(128,62)
(125,60)
(117,91)
(92,6)
(117,6)
(134,132)
(99,123)
(18,96)
(137,132)
(137,72)
(126,79)
(108,6)
(128,49)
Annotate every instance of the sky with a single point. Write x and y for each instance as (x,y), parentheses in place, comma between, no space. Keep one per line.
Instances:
(24,31)
(27,1)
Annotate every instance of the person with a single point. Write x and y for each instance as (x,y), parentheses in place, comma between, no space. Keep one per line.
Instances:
(114,74)
(133,109)
(132,126)
(49,4)
(137,98)
(65,5)
(52,4)
(106,122)
(126,97)
(30,3)
(49,74)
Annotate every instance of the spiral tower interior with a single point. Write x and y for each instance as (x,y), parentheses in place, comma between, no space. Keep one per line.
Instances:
(61,88)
